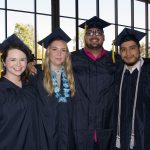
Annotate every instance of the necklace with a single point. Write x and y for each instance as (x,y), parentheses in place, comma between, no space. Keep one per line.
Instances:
(66,91)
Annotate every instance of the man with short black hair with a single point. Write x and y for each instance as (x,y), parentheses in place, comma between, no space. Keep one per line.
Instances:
(133,125)
(93,102)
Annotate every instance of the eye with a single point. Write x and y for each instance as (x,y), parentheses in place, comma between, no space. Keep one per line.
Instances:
(64,50)
(133,47)
(23,59)
(122,49)
(98,33)
(12,59)
(54,49)
(89,33)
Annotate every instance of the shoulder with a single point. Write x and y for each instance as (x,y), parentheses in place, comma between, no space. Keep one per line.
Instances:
(78,57)
(146,65)
(76,53)
(116,56)
(146,61)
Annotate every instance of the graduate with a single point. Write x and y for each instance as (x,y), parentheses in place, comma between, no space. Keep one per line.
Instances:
(94,80)
(55,85)
(18,116)
(133,98)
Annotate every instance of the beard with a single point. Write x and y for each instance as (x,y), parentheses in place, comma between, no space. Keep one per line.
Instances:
(93,47)
(132,63)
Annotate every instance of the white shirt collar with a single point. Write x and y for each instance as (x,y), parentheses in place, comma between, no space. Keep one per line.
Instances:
(136,66)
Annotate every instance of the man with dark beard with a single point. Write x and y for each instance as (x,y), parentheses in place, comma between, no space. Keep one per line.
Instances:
(133,125)
(93,102)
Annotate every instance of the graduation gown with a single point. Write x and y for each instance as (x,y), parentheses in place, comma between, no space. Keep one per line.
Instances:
(18,117)
(93,101)
(54,118)
(142,113)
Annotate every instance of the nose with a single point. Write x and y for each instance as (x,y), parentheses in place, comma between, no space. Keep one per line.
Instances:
(18,63)
(59,52)
(128,52)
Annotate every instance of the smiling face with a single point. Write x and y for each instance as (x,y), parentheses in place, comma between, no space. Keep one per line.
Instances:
(130,52)
(15,63)
(57,52)
(94,39)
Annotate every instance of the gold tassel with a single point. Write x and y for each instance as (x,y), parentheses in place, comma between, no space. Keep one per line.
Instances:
(113,52)
(42,56)
(85,28)
(0,65)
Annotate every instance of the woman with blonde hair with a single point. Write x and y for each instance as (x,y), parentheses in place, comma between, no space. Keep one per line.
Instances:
(55,85)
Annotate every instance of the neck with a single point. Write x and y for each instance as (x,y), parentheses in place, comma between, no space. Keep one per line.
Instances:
(55,68)
(14,79)
(95,52)
(129,68)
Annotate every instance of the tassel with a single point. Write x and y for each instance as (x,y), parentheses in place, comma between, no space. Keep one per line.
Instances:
(0,65)
(42,56)
(85,28)
(113,52)
(132,144)
(118,145)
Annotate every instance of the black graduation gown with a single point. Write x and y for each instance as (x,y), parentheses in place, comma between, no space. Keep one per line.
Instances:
(142,114)
(18,117)
(93,101)
(54,118)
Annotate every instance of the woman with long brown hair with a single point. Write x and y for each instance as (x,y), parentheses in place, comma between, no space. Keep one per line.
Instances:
(18,115)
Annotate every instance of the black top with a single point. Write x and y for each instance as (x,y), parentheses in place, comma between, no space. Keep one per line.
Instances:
(94,99)
(142,116)
(54,118)
(18,117)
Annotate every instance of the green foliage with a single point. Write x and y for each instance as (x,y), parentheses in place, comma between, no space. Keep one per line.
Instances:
(26,33)
(81,38)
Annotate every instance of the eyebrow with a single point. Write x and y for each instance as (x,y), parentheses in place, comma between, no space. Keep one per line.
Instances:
(16,58)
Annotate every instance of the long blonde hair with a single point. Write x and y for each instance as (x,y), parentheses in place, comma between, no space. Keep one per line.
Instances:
(47,81)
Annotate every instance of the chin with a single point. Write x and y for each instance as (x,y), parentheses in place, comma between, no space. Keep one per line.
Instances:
(130,63)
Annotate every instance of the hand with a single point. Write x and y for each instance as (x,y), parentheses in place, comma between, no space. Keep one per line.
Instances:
(31,68)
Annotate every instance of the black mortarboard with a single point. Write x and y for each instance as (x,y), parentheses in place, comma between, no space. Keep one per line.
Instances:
(94,22)
(58,33)
(15,42)
(128,34)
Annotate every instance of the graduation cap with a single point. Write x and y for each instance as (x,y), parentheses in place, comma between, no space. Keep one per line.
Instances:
(58,33)
(129,34)
(14,41)
(94,22)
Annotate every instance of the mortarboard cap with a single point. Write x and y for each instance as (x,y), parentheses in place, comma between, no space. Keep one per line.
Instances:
(94,22)
(128,34)
(58,33)
(15,42)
